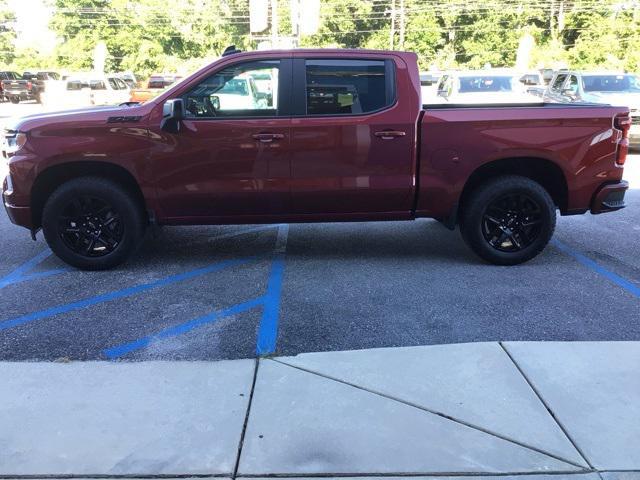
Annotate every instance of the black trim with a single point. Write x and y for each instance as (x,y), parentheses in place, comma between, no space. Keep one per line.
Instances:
(418,163)
(299,87)
(285,92)
(390,83)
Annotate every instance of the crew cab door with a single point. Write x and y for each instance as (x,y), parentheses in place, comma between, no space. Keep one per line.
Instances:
(353,136)
(230,156)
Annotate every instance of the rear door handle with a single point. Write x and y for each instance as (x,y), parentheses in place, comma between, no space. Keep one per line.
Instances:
(268,137)
(390,134)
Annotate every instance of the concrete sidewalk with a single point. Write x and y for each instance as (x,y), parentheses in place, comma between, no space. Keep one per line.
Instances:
(548,410)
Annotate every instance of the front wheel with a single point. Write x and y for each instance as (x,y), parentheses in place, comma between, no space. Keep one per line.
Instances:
(508,220)
(92,223)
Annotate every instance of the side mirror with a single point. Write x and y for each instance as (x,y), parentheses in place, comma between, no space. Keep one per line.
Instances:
(172,115)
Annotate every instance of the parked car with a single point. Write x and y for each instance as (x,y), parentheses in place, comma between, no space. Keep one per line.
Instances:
(156,84)
(483,86)
(101,89)
(10,77)
(611,88)
(29,86)
(348,140)
(429,84)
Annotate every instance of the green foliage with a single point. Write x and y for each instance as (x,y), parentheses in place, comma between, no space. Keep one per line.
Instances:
(7,34)
(148,36)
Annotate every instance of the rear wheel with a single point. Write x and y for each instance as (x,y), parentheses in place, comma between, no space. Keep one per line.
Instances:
(14,99)
(508,220)
(92,223)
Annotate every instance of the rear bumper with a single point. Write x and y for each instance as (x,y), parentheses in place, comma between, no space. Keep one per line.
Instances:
(21,94)
(609,197)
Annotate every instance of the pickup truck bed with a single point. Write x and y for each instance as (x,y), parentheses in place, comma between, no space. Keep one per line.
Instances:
(342,138)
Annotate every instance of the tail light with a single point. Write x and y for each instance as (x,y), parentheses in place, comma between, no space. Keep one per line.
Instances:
(622,123)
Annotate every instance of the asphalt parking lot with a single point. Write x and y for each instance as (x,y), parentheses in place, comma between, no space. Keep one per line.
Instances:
(227,292)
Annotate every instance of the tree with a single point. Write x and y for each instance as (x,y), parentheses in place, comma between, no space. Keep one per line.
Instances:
(7,33)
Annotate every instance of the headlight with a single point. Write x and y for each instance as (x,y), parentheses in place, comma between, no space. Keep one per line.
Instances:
(13,142)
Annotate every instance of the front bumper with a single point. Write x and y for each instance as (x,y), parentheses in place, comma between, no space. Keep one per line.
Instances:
(19,215)
(609,197)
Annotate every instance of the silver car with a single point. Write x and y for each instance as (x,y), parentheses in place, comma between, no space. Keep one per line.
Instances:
(613,88)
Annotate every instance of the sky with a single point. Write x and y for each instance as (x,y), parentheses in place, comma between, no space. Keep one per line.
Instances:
(33,25)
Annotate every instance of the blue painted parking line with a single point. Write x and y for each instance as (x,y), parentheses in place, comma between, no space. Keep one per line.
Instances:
(21,274)
(599,269)
(270,301)
(121,350)
(125,292)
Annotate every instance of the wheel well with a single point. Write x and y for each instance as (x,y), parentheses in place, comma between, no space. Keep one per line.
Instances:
(545,172)
(53,177)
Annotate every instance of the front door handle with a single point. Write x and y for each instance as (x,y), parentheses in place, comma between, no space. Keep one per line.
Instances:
(390,134)
(268,137)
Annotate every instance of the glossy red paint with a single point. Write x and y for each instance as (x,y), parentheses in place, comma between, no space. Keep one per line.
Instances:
(328,168)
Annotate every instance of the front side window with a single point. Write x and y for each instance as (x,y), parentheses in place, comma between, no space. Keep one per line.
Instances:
(346,87)
(573,84)
(557,84)
(244,90)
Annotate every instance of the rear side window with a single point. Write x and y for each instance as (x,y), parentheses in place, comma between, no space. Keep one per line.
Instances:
(347,87)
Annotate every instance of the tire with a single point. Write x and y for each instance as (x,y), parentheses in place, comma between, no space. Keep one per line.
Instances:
(508,220)
(93,223)
(14,100)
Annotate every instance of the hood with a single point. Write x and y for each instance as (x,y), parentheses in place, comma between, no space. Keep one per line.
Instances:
(119,113)
(617,99)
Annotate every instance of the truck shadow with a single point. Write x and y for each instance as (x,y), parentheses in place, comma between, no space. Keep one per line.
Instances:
(426,240)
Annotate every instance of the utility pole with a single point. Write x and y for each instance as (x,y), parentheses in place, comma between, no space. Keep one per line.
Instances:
(393,24)
(402,20)
(274,24)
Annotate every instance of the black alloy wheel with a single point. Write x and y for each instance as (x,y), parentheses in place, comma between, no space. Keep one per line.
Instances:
(90,226)
(512,222)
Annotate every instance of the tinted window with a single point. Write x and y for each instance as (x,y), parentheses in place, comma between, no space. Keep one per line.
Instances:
(485,83)
(343,87)
(557,84)
(232,92)
(611,83)
(156,82)
(573,84)
(97,85)
(77,84)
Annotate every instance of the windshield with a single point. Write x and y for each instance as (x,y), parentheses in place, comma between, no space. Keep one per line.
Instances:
(611,83)
(235,86)
(486,83)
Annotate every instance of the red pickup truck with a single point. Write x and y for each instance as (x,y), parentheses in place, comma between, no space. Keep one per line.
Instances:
(342,136)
